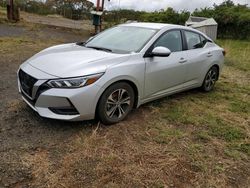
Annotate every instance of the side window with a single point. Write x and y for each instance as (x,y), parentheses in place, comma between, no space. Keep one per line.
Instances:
(171,40)
(203,41)
(193,40)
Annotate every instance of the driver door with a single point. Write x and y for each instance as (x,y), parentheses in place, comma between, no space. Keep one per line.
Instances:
(166,74)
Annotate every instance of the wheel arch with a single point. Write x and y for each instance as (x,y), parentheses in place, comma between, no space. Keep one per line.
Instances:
(131,82)
(218,68)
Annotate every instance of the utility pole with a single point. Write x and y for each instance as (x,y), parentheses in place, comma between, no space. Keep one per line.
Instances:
(97,15)
(100,7)
(10,9)
(13,13)
(102,16)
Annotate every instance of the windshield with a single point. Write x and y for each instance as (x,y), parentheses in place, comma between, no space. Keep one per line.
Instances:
(122,39)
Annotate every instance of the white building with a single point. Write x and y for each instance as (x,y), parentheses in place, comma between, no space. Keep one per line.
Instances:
(206,25)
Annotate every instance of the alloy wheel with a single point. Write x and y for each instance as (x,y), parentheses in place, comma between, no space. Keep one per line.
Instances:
(210,79)
(118,104)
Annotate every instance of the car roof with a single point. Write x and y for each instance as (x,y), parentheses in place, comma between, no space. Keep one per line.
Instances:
(160,26)
(149,25)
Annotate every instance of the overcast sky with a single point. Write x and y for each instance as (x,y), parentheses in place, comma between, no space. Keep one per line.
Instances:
(151,5)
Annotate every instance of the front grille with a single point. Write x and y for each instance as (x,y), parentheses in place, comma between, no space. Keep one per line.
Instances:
(32,102)
(27,82)
(42,88)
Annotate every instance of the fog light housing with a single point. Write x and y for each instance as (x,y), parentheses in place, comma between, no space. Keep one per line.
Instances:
(65,110)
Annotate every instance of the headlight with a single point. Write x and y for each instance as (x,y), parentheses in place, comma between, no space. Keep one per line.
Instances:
(74,82)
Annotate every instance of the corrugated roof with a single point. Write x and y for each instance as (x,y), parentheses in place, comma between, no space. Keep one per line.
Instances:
(210,21)
(200,21)
(197,19)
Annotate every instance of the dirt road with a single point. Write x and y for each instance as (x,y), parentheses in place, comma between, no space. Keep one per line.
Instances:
(57,21)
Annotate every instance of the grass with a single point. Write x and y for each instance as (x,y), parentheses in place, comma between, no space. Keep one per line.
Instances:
(3,10)
(165,136)
(215,125)
(3,13)
(223,113)
(237,53)
(229,133)
(192,139)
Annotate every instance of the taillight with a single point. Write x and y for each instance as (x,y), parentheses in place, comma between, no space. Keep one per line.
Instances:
(224,52)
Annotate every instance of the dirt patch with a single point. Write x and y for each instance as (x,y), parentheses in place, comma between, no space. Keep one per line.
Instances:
(8,31)
(57,21)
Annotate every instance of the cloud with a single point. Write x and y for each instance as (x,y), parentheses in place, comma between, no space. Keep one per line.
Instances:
(151,5)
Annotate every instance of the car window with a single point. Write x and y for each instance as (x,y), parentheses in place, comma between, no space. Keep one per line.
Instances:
(193,40)
(203,41)
(171,40)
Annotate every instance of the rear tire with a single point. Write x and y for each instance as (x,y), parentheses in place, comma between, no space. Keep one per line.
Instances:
(210,79)
(115,103)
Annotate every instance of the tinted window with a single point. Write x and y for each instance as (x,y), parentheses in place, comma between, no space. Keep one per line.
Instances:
(193,40)
(171,40)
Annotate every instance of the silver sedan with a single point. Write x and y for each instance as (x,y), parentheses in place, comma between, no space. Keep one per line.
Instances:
(118,70)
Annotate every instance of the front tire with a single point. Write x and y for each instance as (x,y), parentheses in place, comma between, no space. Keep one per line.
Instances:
(115,103)
(210,79)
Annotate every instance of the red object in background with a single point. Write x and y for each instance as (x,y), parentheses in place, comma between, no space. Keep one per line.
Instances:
(98,5)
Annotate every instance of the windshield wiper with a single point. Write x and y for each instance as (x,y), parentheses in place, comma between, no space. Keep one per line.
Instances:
(81,43)
(100,48)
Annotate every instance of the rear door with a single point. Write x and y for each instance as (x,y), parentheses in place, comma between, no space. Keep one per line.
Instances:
(198,57)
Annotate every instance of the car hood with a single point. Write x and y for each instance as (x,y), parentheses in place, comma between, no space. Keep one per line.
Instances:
(71,60)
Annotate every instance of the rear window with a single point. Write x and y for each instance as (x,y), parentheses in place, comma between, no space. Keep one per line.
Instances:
(195,40)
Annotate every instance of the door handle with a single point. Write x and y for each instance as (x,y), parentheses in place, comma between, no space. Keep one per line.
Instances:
(182,60)
(209,54)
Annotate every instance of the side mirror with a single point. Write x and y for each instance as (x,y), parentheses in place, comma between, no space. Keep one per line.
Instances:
(161,51)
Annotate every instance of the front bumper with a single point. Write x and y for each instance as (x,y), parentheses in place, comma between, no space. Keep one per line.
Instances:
(65,104)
